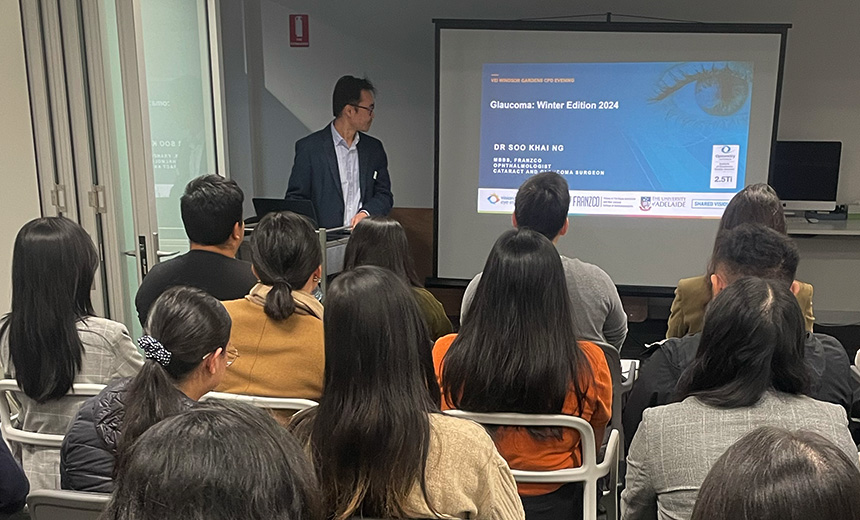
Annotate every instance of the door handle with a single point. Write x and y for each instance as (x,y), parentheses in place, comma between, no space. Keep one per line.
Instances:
(161,254)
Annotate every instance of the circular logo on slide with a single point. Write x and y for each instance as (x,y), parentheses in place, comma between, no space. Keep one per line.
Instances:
(726,149)
(494,199)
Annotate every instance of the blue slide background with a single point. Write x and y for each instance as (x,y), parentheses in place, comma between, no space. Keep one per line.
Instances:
(645,145)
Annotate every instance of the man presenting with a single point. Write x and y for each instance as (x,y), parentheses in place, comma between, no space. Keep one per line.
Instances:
(342,170)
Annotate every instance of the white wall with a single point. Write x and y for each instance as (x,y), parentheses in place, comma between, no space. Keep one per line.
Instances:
(20,195)
(392,41)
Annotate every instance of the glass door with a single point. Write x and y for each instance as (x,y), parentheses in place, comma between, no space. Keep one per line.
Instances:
(159,127)
(179,95)
(126,108)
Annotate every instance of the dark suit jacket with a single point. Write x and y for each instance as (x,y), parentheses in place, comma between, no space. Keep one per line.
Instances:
(316,177)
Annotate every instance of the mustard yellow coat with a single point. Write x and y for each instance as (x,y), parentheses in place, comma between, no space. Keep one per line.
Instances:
(692,296)
(276,358)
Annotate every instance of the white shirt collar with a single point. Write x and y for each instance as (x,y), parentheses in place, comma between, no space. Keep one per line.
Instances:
(335,135)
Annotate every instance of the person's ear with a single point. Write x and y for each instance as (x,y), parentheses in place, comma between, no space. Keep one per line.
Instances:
(254,272)
(717,284)
(318,272)
(238,231)
(514,219)
(213,361)
(795,287)
(564,228)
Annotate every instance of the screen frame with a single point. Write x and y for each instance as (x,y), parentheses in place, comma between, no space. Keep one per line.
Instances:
(644,27)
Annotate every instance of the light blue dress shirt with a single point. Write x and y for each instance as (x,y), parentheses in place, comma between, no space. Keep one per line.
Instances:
(347,165)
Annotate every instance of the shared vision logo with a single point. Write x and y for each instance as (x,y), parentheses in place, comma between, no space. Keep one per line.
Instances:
(645,203)
(494,199)
(726,149)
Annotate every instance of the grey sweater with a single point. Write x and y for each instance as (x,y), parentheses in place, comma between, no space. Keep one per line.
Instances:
(596,307)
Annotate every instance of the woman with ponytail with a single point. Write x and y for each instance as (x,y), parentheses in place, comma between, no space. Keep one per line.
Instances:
(278,326)
(187,353)
(52,338)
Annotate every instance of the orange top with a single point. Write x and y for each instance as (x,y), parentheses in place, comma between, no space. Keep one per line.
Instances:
(520,449)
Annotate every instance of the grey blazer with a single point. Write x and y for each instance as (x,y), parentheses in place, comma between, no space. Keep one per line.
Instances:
(109,353)
(677,444)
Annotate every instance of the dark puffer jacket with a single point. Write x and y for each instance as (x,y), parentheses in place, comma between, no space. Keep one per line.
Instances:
(89,449)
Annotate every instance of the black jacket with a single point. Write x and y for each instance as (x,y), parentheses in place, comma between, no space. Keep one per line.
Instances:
(13,483)
(662,365)
(90,447)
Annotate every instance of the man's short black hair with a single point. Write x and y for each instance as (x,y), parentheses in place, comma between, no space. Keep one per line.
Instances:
(347,91)
(755,250)
(210,208)
(542,204)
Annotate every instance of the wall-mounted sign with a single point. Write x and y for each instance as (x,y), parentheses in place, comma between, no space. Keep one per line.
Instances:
(299,30)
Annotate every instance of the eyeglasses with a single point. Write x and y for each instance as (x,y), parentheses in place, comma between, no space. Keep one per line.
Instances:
(369,109)
(231,353)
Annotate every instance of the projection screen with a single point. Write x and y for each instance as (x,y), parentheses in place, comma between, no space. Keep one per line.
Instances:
(654,126)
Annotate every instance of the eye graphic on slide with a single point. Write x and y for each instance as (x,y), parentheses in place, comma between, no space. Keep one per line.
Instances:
(697,93)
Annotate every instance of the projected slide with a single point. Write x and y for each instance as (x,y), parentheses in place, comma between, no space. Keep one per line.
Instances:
(664,139)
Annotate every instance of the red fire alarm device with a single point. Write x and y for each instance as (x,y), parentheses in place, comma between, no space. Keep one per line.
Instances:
(299,30)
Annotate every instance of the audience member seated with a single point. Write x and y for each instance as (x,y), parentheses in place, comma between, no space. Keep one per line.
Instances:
(52,339)
(749,371)
(541,205)
(747,250)
(13,483)
(186,350)
(212,214)
(755,204)
(218,461)
(278,326)
(378,442)
(517,351)
(381,241)
(774,474)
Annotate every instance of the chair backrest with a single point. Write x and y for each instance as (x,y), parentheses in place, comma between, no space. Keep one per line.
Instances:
(271,403)
(50,504)
(613,360)
(629,374)
(588,473)
(11,433)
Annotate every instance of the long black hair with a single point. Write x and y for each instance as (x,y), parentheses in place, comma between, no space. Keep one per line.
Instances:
(190,324)
(370,434)
(753,340)
(217,461)
(381,241)
(54,263)
(775,474)
(517,349)
(285,252)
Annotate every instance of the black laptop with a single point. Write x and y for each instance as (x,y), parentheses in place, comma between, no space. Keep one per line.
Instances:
(265,206)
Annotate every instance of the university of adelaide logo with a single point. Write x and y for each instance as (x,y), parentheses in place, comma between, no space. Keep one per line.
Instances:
(645,203)
(494,199)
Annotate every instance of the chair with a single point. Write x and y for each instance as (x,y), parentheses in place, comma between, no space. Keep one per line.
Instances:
(48,440)
(588,473)
(270,403)
(50,504)
(629,373)
(613,361)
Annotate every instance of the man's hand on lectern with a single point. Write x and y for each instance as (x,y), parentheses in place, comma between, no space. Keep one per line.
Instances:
(358,218)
